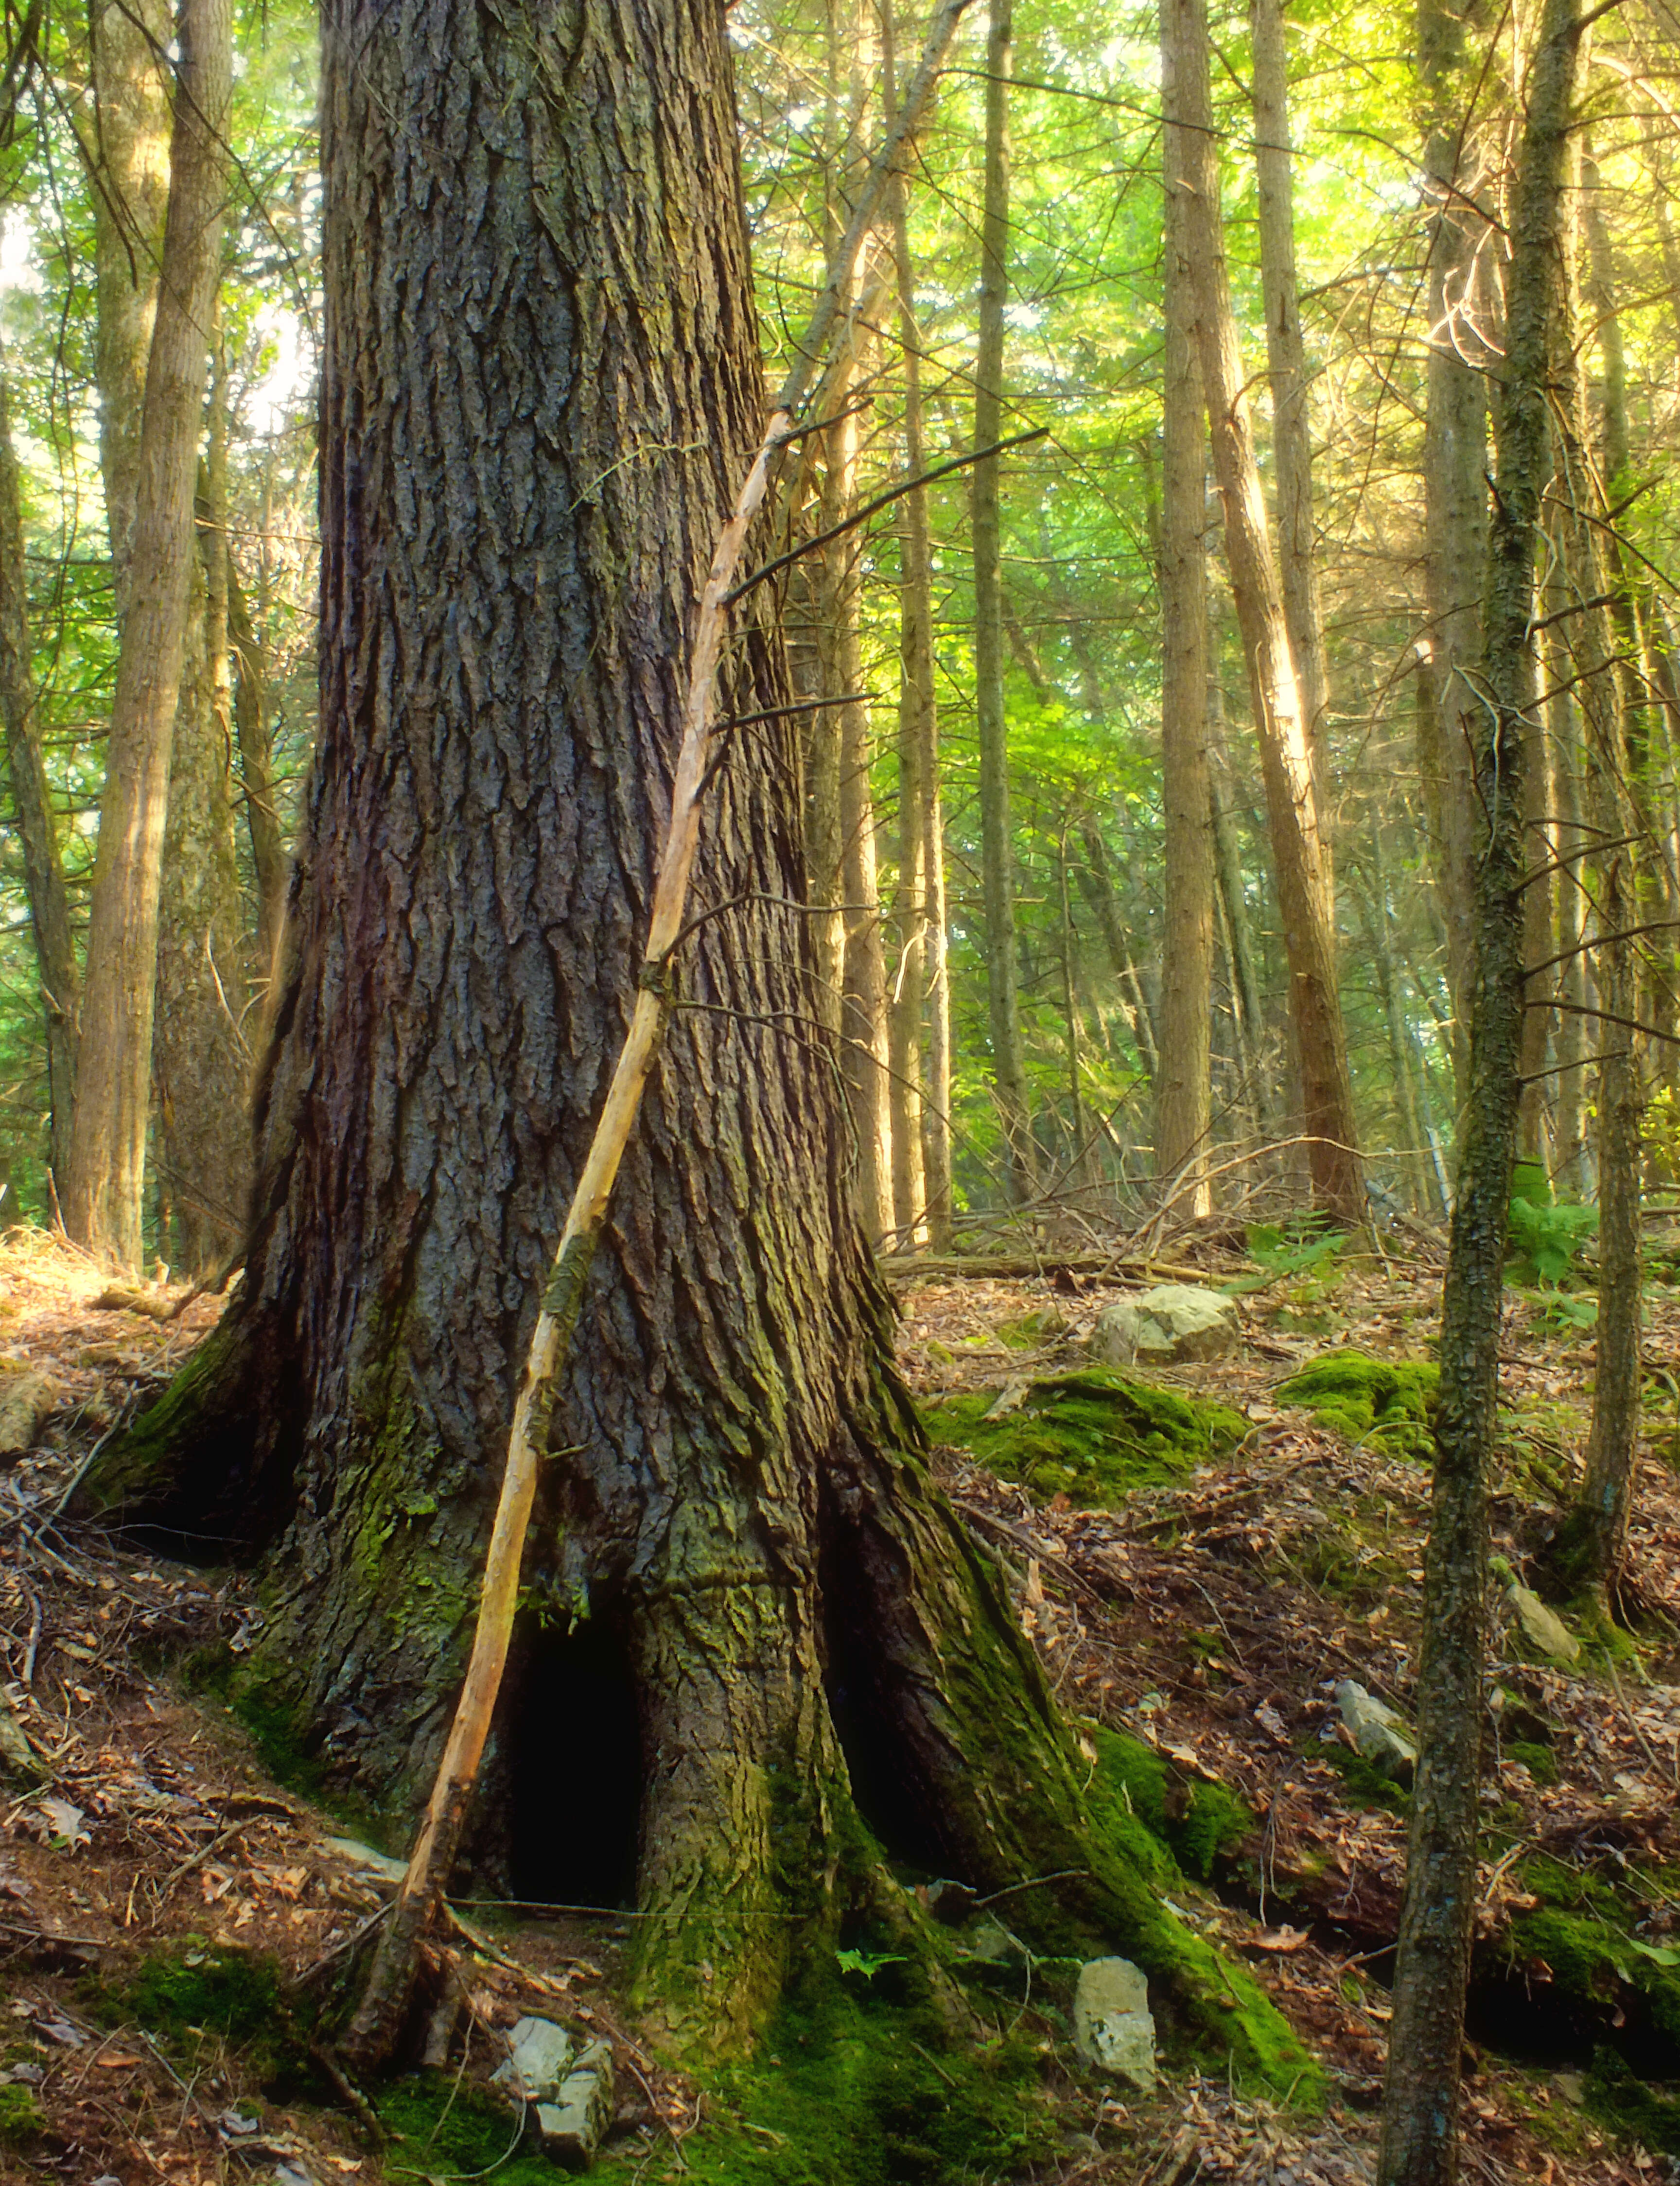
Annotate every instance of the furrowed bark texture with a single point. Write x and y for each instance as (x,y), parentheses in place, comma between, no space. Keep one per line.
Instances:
(737,1496)
(1419,2126)
(1183,1092)
(36,823)
(1291,804)
(101,1195)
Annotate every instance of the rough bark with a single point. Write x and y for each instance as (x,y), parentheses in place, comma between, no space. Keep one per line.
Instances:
(1291,805)
(1461,305)
(1183,1092)
(49,918)
(102,1201)
(1286,367)
(1008,1067)
(737,1497)
(1419,2125)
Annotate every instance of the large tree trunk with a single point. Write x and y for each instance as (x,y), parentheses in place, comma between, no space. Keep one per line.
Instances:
(1183,1093)
(738,1502)
(107,1163)
(44,889)
(1009,1065)
(1419,2125)
(1291,803)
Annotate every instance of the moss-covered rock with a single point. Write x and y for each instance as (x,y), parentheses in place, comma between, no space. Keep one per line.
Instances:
(1093,1436)
(1584,1931)
(1375,1400)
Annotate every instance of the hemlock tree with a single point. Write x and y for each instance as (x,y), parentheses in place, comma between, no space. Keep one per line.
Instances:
(540,388)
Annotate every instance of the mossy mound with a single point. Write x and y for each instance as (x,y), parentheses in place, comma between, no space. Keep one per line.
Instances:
(1197,1822)
(21,2118)
(1367,1399)
(870,2090)
(198,1993)
(440,2129)
(1583,1929)
(1092,1436)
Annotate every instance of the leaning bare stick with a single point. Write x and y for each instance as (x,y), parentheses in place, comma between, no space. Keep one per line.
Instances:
(374,2031)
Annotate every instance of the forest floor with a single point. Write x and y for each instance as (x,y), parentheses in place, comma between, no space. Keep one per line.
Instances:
(170,1914)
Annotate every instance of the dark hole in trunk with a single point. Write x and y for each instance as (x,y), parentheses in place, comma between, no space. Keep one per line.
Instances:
(575,1774)
(889,1796)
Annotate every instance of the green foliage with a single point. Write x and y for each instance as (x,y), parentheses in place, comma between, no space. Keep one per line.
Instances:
(1546,1239)
(1093,1436)
(1377,1400)
(867,1963)
(1283,1252)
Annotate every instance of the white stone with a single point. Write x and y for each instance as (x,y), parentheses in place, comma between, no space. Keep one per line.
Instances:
(1383,1737)
(1173,1322)
(540,2055)
(574,2125)
(1113,2029)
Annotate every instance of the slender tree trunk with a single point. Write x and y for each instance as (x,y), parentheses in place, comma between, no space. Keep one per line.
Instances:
(1303,890)
(1183,1093)
(1461,306)
(1286,366)
(920,1140)
(1233,892)
(49,917)
(1419,2125)
(1571,1040)
(1538,929)
(736,1512)
(131,163)
(866,1056)
(1096,883)
(1600,635)
(1008,1065)
(102,1195)
(1374,907)
(269,863)
(102,1201)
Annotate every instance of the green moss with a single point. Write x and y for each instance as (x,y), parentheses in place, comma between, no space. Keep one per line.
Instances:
(1197,1822)
(21,2117)
(1093,1436)
(869,2089)
(200,1993)
(1367,1399)
(1365,1784)
(1629,2107)
(146,1452)
(1582,1930)
(439,2130)
(1540,1761)
(1028,1332)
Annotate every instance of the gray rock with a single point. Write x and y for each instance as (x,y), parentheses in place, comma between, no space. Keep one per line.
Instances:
(574,2123)
(540,2055)
(1175,1321)
(357,1854)
(993,1945)
(1543,1628)
(1383,1737)
(1112,2028)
